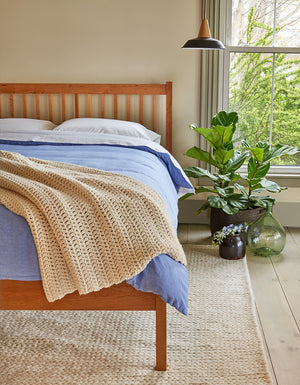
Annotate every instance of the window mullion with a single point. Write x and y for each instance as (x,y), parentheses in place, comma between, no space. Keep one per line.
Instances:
(274,22)
(260,49)
(272,101)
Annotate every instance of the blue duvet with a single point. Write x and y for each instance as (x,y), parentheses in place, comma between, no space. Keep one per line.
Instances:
(163,275)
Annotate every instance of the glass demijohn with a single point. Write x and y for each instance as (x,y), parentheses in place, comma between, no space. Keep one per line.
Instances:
(266,237)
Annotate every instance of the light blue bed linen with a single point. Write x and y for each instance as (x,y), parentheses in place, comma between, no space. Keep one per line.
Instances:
(163,275)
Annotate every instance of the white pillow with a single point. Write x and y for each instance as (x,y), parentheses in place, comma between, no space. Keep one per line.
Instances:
(25,124)
(109,126)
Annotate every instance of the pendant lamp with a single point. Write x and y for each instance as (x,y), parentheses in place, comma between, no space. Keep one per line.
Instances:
(204,39)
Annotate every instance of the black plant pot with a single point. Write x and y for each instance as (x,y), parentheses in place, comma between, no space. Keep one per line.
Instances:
(233,247)
(219,219)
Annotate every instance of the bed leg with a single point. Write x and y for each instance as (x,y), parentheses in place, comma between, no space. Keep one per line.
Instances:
(161,334)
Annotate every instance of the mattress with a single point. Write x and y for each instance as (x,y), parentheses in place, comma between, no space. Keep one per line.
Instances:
(141,159)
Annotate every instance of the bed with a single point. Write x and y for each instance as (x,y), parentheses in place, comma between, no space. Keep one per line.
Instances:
(149,104)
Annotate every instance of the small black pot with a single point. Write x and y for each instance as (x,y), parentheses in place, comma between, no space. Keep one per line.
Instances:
(233,247)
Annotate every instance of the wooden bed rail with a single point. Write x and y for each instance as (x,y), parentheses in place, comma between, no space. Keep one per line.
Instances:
(56,95)
(29,295)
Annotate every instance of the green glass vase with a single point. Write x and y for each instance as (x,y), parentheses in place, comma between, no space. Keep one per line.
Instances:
(266,237)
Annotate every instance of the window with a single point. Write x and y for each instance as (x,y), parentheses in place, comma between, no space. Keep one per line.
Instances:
(263,65)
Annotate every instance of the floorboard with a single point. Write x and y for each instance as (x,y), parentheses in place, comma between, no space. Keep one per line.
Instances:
(279,327)
(295,232)
(287,268)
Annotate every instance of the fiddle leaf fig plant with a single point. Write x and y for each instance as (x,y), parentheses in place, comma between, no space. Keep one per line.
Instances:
(228,194)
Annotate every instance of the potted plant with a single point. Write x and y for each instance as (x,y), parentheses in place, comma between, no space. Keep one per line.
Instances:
(232,244)
(233,193)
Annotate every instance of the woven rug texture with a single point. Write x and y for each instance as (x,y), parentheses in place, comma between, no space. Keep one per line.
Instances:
(217,343)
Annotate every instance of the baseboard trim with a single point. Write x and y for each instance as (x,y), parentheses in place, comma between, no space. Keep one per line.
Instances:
(288,213)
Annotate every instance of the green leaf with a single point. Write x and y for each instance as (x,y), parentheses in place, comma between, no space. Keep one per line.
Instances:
(202,208)
(225,192)
(185,196)
(226,134)
(263,145)
(251,167)
(280,150)
(205,189)
(198,172)
(240,188)
(211,135)
(224,118)
(230,210)
(199,154)
(262,170)
(257,190)
(254,183)
(261,201)
(223,156)
(245,143)
(258,153)
(236,161)
(216,201)
(265,184)
(238,200)
(229,190)
(219,203)
(231,177)
(271,186)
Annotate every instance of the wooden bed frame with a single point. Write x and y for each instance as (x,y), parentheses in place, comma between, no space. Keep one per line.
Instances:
(58,102)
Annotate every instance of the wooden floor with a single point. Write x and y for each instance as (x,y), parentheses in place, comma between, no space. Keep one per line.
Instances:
(276,286)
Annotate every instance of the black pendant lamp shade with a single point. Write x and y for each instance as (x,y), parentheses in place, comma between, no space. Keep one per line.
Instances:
(204,39)
(204,43)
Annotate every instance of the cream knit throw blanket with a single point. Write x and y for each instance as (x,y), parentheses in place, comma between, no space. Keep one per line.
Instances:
(91,228)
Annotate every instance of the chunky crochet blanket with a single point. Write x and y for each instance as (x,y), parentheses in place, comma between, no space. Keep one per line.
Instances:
(92,228)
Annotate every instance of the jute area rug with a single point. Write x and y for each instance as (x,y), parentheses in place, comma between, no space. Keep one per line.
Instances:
(217,343)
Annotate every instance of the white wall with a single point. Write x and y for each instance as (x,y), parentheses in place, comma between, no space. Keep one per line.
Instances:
(113,41)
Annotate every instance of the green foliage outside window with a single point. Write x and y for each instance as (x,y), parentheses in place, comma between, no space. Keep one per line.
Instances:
(251,88)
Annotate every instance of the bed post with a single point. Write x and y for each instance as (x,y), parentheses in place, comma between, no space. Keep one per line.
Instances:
(169,116)
(161,334)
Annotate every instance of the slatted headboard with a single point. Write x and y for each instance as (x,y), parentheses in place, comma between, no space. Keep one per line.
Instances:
(60,101)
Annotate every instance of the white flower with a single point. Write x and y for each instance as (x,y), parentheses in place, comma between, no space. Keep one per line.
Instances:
(231,229)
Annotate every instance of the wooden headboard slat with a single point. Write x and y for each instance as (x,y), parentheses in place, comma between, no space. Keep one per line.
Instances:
(89,105)
(82,88)
(141,109)
(102,105)
(76,106)
(12,105)
(154,113)
(57,96)
(24,105)
(37,102)
(50,107)
(115,106)
(63,106)
(128,107)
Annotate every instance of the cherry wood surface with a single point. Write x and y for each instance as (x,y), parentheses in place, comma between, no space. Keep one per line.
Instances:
(50,90)
(29,295)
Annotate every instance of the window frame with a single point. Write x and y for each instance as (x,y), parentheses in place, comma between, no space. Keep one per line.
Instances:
(280,171)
